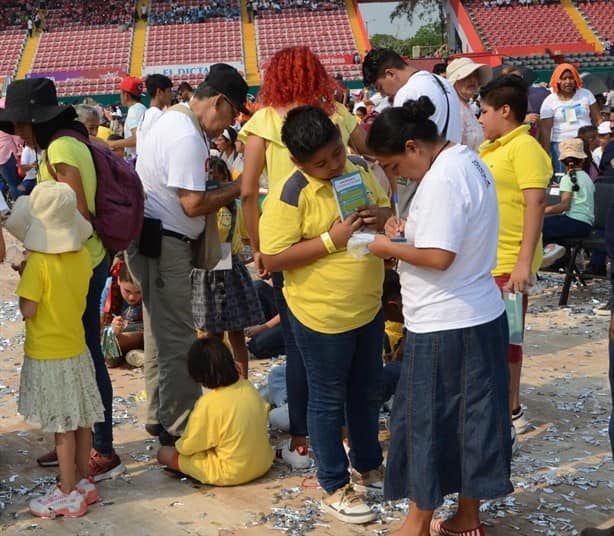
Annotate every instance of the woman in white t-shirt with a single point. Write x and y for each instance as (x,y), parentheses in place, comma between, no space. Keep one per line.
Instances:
(565,110)
(450,420)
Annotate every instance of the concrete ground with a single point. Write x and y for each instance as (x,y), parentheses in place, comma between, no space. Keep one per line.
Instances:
(563,474)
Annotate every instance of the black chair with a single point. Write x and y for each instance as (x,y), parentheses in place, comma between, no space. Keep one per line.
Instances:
(604,195)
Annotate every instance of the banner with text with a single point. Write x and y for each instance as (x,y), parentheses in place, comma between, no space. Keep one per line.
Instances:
(87,74)
(177,71)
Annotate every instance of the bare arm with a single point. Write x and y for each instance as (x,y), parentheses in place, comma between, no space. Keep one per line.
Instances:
(358,140)
(595,114)
(545,126)
(254,163)
(520,278)
(561,207)
(72,176)
(438,259)
(125,143)
(203,203)
(28,308)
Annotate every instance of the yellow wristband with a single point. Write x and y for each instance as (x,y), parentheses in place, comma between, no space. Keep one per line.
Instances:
(328,242)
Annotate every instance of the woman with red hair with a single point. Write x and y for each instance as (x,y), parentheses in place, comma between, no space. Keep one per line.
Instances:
(563,112)
(294,77)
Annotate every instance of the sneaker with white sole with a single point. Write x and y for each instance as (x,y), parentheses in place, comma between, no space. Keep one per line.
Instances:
(279,418)
(57,503)
(347,506)
(552,253)
(87,488)
(515,445)
(297,458)
(520,422)
(369,482)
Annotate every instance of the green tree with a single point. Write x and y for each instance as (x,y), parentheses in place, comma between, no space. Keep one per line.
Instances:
(413,10)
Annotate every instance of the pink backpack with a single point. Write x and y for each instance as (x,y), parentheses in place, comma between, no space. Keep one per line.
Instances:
(119,194)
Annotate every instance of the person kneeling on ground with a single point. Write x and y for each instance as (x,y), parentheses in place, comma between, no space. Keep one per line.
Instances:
(225,442)
(122,321)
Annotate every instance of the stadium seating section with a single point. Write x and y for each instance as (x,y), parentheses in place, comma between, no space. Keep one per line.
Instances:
(100,48)
(11,44)
(601,16)
(529,25)
(328,33)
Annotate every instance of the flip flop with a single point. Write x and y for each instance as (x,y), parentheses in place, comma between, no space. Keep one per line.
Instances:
(437,529)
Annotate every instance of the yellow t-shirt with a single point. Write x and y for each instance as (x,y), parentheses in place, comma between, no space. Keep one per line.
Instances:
(266,123)
(59,284)
(517,162)
(336,293)
(70,151)
(224,222)
(225,442)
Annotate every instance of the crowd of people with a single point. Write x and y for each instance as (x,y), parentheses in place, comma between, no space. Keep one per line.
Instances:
(387,297)
(178,14)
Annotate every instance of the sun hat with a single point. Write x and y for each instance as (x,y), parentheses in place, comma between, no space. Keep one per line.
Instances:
(227,80)
(461,68)
(48,221)
(572,148)
(132,85)
(604,128)
(34,101)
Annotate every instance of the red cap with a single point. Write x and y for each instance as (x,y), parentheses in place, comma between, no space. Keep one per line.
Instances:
(132,85)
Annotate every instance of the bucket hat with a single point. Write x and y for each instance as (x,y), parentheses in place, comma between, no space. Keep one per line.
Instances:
(48,221)
(572,148)
(227,80)
(34,101)
(462,67)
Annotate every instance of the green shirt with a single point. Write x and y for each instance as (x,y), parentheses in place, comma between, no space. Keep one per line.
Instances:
(583,201)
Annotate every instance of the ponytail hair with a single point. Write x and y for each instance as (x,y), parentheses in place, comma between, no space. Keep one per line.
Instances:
(394,126)
(572,165)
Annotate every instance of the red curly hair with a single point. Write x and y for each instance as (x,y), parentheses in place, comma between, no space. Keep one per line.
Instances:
(296,76)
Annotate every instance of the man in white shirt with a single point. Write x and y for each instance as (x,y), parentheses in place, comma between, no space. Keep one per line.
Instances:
(173,165)
(159,90)
(384,69)
(29,164)
(131,91)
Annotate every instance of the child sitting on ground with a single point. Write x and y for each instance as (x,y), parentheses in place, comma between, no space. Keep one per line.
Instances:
(225,442)
(58,387)
(122,320)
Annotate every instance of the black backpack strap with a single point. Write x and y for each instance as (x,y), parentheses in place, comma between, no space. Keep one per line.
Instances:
(444,132)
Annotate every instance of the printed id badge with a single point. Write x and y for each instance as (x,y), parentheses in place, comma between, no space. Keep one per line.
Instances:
(225,262)
(513,308)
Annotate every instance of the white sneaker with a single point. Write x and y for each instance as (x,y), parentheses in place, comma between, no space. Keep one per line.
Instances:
(135,358)
(347,506)
(87,488)
(57,503)
(369,482)
(297,458)
(521,423)
(279,418)
(515,445)
(552,253)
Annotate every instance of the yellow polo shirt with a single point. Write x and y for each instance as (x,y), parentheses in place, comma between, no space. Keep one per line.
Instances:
(336,293)
(58,284)
(70,151)
(266,123)
(517,162)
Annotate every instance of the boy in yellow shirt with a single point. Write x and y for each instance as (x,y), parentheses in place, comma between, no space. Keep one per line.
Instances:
(522,170)
(334,303)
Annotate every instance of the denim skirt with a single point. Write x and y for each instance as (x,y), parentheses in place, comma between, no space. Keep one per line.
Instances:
(450,426)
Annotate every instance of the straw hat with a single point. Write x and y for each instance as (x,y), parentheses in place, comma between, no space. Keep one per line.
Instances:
(572,148)
(48,221)
(461,68)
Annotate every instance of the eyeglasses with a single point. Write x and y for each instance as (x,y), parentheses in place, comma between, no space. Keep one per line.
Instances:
(235,110)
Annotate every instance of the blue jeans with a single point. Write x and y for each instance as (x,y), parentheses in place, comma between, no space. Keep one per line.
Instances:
(8,173)
(557,165)
(560,226)
(296,378)
(103,431)
(390,378)
(344,374)
(269,343)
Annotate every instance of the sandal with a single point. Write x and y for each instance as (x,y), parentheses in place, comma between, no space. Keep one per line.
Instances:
(437,529)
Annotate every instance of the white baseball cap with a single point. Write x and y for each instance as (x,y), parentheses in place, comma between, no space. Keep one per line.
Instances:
(604,128)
